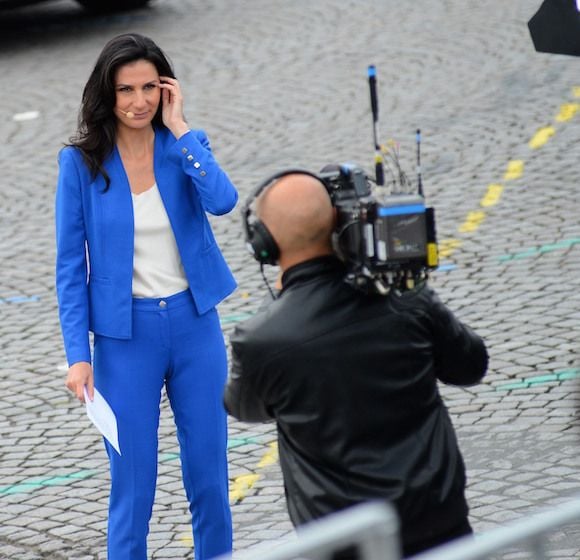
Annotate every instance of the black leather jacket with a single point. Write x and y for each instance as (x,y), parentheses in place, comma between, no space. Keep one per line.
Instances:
(351,380)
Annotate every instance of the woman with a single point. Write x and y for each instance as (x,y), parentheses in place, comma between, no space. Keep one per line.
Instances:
(138,265)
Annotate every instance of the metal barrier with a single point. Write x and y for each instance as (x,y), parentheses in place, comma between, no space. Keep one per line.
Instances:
(372,528)
(529,533)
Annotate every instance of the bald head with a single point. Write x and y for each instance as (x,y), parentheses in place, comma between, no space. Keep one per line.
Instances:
(297,211)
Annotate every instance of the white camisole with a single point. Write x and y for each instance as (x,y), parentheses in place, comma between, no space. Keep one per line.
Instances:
(157,268)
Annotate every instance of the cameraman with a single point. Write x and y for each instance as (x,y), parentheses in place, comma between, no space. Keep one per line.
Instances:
(351,380)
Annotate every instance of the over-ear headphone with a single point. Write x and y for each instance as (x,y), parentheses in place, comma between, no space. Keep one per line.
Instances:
(258,239)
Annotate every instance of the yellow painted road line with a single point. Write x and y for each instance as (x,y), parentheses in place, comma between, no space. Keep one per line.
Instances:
(492,195)
(515,169)
(576,91)
(448,246)
(241,485)
(186,539)
(567,112)
(270,457)
(541,137)
(472,222)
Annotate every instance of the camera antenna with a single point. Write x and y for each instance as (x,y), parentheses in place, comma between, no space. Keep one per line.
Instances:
(379,172)
(419,180)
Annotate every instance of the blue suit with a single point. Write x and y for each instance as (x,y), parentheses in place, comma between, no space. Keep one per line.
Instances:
(190,183)
(142,345)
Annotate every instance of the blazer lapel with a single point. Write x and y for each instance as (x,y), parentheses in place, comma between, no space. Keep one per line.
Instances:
(118,210)
(164,174)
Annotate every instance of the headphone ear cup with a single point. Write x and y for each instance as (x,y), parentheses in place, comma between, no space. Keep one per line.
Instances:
(258,239)
(264,247)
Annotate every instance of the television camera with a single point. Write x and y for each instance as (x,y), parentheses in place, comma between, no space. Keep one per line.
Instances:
(386,237)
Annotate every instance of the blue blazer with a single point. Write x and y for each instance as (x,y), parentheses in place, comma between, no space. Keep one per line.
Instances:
(95,236)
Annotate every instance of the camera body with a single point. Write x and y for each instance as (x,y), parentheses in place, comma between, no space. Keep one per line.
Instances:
(388,241)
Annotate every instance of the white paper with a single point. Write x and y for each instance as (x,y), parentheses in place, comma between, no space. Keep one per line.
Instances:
(101,415)
(578,4)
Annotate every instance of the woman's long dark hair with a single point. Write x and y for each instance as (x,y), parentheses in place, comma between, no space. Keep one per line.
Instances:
(97,123)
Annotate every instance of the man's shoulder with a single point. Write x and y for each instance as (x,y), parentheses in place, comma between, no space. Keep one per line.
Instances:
(266,319)
(279,325)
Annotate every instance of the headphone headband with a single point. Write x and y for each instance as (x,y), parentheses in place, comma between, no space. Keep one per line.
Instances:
(258,239)
(266,182)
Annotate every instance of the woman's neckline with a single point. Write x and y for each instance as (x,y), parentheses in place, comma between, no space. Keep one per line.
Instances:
(145,191)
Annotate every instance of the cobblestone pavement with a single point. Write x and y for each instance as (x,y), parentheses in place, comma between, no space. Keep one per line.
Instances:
(280,84)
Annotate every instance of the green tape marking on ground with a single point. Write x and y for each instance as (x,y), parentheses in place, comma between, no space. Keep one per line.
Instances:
(238,442)
(542,379)
(541,250)
(235,318)
(528,382)
(33,484)
(37,483)
(232,444)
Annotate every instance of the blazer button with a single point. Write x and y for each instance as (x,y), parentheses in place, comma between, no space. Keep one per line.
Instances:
(203,173)
(196,164)
(184,150)
(162,304)
(189,157)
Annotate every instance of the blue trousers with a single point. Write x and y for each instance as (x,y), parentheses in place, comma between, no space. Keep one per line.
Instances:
(173,346)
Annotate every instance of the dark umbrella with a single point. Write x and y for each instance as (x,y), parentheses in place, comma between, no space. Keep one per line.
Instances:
(555,28)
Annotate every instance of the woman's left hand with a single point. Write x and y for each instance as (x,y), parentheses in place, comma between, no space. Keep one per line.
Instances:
(172,106)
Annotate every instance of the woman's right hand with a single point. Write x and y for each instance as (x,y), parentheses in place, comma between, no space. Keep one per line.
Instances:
(79,375)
